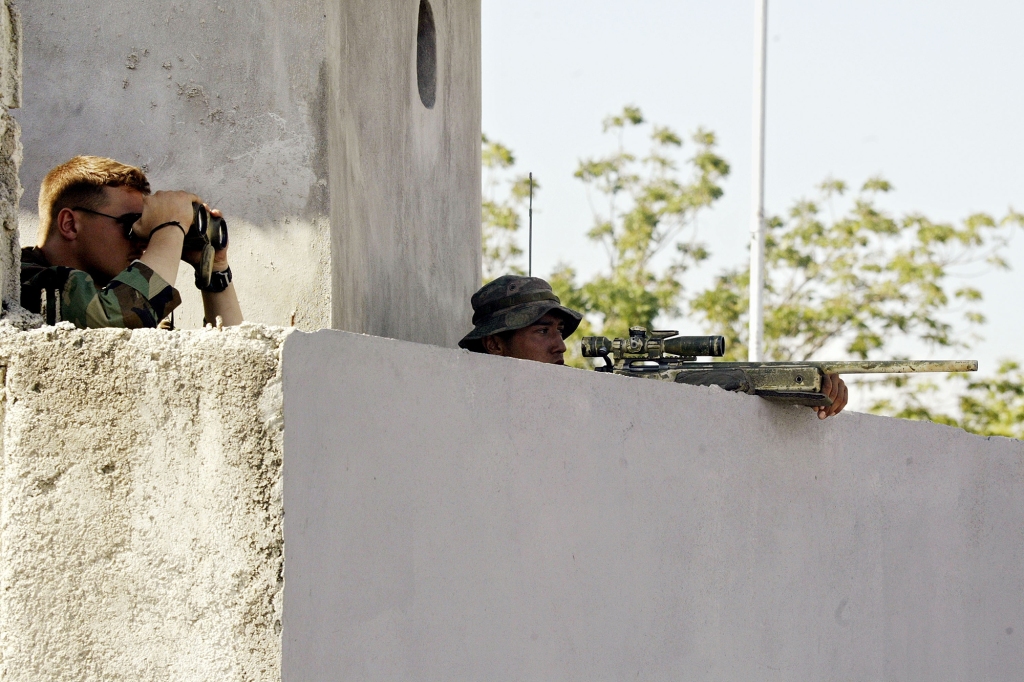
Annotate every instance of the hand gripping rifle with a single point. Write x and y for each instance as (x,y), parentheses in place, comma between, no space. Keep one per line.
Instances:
(664,355)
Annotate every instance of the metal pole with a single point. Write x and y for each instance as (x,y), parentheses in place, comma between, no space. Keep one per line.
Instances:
(529,267)
(756,335)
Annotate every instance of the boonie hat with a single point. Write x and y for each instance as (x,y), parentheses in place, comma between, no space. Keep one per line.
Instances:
(512,302)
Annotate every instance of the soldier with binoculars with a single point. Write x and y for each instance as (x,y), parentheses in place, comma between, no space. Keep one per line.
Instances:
(521,317)
(108,250)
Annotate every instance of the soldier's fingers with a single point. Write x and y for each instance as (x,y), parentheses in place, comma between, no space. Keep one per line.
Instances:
(844,397)
(840,400)
(835,384)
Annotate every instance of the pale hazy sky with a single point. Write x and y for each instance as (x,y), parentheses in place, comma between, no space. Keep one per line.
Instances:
(924,92)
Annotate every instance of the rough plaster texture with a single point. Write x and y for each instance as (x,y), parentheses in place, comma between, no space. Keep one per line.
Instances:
(452,516)
(226,99)
(10,150)
(405,179)
(140,505)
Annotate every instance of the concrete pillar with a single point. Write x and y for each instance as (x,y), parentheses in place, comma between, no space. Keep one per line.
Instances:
(140,505)
(303,121)
(404,140)
(10,150)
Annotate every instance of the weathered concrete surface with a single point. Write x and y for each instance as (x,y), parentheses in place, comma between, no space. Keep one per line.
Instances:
(140,505)
(405,179)
(227,99)
(456,516)
(10,150)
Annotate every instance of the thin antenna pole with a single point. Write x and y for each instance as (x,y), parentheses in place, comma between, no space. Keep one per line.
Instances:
(529,270)
(755,349)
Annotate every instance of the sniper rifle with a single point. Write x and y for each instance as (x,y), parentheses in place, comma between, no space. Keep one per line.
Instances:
(666,356)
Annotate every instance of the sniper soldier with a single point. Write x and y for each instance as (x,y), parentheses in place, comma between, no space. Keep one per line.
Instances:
(521,317)
(108,250)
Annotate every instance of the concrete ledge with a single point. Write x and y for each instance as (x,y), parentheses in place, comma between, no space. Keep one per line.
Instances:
(456,516)
(140,527)
(452,516)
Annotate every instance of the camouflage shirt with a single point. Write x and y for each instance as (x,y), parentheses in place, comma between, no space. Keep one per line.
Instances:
(136,297)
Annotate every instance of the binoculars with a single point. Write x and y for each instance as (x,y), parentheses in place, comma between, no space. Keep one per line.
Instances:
(208,234)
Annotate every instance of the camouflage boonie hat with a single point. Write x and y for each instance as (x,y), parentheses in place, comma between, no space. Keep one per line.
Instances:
(512,302)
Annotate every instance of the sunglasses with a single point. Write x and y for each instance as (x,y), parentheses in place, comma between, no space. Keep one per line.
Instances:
(125,221)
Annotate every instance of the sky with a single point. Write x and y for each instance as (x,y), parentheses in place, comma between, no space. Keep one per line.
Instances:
(925,93)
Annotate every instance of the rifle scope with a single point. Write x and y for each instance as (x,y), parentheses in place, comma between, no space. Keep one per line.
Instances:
(684,346)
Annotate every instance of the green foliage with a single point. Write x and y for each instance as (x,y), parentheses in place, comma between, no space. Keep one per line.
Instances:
(645,223)
(986,406)
(505,197)
(858,282)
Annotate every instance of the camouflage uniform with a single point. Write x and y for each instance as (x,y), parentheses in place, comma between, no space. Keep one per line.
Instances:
(512,302)
(136,297)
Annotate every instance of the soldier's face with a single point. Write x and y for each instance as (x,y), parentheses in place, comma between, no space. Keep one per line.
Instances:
(541,341)
(104,249)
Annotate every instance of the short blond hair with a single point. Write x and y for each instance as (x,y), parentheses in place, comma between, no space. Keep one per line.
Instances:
(80,182)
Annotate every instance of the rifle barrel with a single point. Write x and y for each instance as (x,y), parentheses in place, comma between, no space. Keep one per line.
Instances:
(850,366)
(897,366)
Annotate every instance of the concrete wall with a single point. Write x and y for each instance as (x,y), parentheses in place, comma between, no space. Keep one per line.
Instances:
(10,150)
(456,516)
(405,178)
(140,505)
(227,99)
(292,116)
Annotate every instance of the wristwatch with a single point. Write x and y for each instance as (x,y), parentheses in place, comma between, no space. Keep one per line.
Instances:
(219,281)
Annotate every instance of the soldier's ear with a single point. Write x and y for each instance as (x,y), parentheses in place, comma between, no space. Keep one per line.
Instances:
(494,344)
(66,224)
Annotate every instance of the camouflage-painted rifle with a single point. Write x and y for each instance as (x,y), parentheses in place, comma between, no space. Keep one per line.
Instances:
(664,355)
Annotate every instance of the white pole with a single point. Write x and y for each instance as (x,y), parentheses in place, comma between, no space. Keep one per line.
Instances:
(756,335)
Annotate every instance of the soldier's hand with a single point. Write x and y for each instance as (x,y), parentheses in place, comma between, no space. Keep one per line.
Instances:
(835,388)
(163,207)
(220,256)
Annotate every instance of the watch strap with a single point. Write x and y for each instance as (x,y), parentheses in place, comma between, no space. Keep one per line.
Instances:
(219,281)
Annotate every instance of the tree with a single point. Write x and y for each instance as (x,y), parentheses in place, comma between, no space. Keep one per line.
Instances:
(986,406)
(504,199)
(859,284)
(646,223)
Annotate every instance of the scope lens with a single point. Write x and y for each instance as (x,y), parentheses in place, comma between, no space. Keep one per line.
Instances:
(592,346)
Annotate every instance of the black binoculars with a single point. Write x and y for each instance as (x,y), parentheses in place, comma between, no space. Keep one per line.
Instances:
(208,234)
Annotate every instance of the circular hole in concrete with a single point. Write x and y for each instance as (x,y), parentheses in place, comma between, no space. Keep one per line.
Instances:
(426,55)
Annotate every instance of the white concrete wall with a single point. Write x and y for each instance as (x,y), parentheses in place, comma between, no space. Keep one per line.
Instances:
(140,505)
(227,99)
(405,178)
(452,516)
